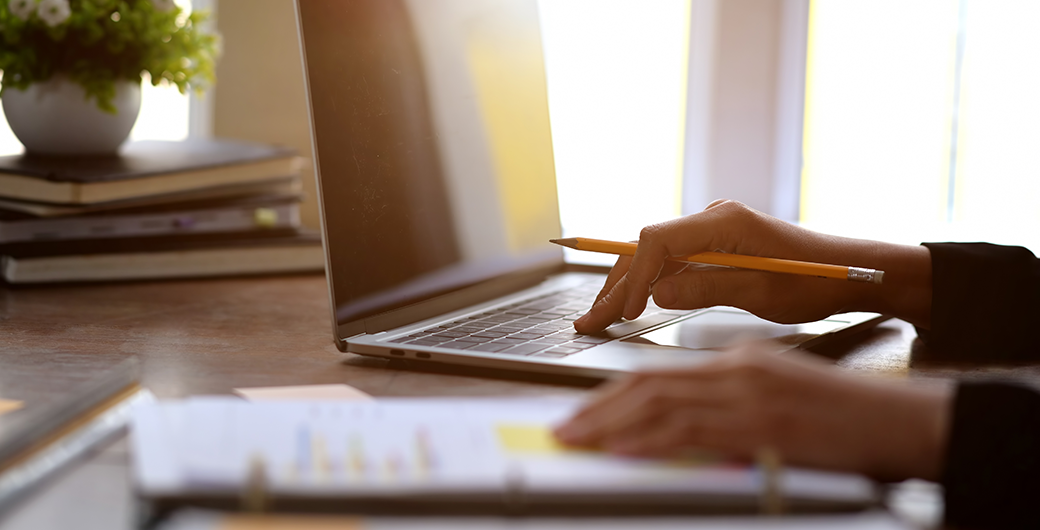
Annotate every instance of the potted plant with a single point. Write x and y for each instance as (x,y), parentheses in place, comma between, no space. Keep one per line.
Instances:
(72,69)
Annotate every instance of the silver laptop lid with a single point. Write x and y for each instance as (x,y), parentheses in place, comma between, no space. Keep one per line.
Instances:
(431,135)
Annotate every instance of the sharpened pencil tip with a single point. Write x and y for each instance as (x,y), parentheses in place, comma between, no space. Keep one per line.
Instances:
(566,242)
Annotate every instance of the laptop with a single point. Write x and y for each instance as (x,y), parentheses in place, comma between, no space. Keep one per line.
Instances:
(433,147)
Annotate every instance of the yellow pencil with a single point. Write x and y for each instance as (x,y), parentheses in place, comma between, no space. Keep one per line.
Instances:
(839,272)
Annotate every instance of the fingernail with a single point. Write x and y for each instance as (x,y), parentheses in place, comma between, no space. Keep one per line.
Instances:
(665,294)
(581,319)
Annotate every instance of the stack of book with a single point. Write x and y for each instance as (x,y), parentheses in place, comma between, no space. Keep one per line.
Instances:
(158,210)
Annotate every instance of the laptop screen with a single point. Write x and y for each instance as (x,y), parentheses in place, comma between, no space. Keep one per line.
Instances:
(434,154)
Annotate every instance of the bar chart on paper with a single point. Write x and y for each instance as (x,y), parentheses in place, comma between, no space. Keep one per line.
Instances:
(403,446)
(333,445)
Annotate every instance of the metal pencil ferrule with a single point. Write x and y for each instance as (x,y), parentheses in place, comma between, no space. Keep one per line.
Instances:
(857,274)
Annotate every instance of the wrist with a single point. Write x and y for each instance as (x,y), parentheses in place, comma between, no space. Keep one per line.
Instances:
(907,289)
(906,292)
(930,407)
(913,423)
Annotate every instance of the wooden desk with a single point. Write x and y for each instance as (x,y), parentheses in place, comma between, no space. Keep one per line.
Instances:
(210,336)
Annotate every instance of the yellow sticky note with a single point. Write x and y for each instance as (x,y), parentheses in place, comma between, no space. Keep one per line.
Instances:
(265,217)
(8,405)
(528,439)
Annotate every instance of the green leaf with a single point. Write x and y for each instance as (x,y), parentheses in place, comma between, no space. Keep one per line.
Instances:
(96,51)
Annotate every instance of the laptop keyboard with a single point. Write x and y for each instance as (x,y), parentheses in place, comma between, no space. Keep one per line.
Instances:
(542,326)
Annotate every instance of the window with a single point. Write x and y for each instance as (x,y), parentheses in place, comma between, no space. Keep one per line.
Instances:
(922,120)
(164,113)
(616,74)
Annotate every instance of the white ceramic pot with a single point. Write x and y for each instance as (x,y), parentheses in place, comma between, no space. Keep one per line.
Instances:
(56,118)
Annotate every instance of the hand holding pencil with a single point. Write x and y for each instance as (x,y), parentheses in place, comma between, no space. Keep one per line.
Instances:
(660,266)
(749,400)
(787,266)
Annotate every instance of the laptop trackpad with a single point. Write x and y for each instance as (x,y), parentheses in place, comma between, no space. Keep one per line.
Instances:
(718,328)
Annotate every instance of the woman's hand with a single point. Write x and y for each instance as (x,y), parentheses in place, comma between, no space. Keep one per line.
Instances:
(752,397)
(730,226)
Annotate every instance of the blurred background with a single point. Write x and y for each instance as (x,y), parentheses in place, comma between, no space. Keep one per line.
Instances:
(907,121)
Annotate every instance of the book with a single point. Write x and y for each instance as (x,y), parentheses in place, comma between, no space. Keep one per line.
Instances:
(438,454)
(61,423)
(234,215)
(143,169)
(280,185)
(177,256)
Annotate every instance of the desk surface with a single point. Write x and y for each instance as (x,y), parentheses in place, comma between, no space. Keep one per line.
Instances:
(206,337)
(210,336)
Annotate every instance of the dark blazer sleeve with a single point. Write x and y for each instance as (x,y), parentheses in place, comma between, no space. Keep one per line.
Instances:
(985,308)
(985,303)
(991,476)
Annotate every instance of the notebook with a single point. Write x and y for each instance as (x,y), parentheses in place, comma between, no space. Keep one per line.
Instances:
(62,419)
(284,185)
(263,251)
(142,169)
(462,455)
(225,215)
(433,146)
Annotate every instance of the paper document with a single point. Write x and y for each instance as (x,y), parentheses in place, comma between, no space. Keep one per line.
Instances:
(416,445)
(205,520)
(303,393)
